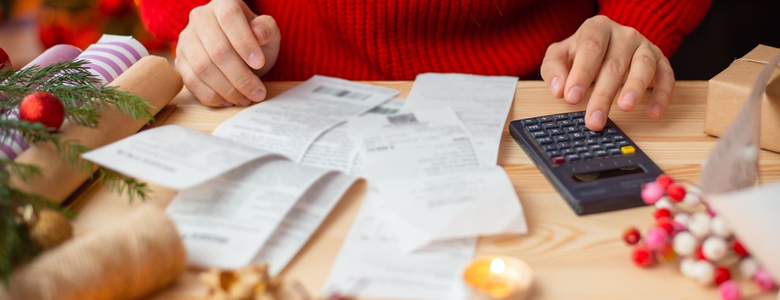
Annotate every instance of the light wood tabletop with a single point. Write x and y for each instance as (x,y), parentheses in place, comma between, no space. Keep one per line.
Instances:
(573,257)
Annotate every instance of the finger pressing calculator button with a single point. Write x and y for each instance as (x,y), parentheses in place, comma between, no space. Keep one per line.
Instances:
(628,150)
(572,157)
(544,141)
(555,131)
(534,127)
(558,159)
(528,122)
(538,134)
(600,153)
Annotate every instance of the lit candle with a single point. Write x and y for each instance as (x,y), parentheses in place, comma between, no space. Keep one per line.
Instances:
(498,277)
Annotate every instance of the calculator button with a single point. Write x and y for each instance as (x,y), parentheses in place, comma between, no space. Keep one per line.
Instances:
(628,150)
(528,121)
(563,145)
(618,138)
(579,121)
(608,146)
(555,131)
(549,125)
(586,155)
(534,127)
(552,154)
(567,151)
(538,134)
(544,119)
(591,142)
(578,144)
(560,138)
(577,114)
(544,141)
(549,147)
(577,135)
(571,129)
(605,139)
(572,157)
(558,159)
(560,117)
(591,133)
(565,123)
(600,153)
(614,151)
(622,143)
(581,149)
(610,131)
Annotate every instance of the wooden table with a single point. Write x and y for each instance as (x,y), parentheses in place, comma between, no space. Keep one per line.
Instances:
(573,257)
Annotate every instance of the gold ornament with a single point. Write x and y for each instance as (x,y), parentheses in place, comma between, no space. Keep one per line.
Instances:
(50,229)
(247,283)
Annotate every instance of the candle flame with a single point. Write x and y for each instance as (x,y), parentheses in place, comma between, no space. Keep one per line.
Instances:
(497,266)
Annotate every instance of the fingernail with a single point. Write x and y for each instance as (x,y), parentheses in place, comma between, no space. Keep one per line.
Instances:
(255,61)
(555,85)
(258,95)
(656,109)
(575,95)
(597,118)
(226,104)
(244,101)
(630,99)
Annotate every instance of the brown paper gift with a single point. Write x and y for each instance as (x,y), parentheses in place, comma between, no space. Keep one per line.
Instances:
(728,90)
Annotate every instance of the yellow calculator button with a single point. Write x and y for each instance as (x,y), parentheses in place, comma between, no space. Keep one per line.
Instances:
(627,150)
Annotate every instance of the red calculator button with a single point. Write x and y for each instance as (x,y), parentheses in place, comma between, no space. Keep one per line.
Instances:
(558,159)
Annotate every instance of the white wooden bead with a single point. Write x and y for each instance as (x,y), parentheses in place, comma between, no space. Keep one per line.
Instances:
(682,218)
(684,243)
(748,267)
(691,200)
(714,248)
(664,202)
(703,272)
(686,267)
(719,227)
(699,224)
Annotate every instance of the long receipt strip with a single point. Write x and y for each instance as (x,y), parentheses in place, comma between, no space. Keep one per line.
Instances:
(290,122)
(481,102)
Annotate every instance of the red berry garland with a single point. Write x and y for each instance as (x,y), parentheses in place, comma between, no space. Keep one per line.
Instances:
(42,107)
(686,227)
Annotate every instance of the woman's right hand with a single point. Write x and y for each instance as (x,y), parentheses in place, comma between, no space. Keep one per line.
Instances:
(224,50)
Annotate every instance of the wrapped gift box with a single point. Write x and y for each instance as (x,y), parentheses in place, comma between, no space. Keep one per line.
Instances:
(728,90)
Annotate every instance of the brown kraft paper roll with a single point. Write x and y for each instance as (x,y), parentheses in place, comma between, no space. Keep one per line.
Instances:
(139,255)
(152,78)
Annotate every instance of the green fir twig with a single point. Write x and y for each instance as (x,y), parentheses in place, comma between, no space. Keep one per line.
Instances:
(122,184)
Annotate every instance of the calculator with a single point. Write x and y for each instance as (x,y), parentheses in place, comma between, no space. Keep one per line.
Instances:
(594,171)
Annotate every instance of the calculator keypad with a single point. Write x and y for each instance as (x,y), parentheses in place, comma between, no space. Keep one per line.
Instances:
(564,138)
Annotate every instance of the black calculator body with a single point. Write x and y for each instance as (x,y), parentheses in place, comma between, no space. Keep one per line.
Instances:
(594,171)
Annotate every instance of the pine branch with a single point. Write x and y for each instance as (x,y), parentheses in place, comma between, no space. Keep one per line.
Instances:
(82,116)
(33,133)
(118,183)
(98,99)
(71,151)
(23,171)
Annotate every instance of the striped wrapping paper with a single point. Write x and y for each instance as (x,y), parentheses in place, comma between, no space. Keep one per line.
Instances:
(107,59)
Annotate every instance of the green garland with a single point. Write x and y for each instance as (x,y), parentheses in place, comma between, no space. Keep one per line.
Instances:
(84,103)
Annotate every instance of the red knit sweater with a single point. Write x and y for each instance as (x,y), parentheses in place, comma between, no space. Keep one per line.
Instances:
(398,39)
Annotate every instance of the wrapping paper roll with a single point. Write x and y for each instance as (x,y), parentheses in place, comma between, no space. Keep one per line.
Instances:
(11,147)
(111,56)
(139,255)
(151,78)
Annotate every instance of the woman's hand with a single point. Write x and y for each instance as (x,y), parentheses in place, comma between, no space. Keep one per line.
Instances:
(223,51)
(613,56)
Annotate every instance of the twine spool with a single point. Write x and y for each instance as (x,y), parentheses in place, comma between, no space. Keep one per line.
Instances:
(139,255)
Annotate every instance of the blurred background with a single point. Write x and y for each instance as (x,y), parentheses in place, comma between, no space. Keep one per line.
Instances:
(27,27)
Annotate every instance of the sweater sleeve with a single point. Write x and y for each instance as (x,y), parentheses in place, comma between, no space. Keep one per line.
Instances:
(663,22)
(165,19)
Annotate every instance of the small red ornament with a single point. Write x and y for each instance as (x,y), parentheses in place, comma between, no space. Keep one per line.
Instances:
(642,257)
(5,60)
(664,181)
(739,249)
(631,236)
(662,213)
(721,274)
(676,192)
(666,224)
(700,253)
(42,107)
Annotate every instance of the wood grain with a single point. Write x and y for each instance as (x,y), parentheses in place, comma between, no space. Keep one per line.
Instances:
(573,257)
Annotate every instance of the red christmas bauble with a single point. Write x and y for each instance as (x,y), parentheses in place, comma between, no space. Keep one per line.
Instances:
(676,192)
(642,257)
(721,274)
(42,107)
(631,236)
(664,181)
(5,61)
(739,249)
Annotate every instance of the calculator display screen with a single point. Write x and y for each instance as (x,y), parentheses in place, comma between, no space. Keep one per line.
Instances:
(585,177)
